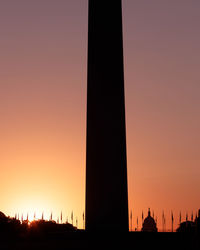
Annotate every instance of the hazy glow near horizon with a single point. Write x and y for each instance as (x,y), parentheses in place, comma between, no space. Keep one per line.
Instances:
(43,107)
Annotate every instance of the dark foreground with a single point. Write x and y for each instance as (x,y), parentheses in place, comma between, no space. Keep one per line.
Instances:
(83,240)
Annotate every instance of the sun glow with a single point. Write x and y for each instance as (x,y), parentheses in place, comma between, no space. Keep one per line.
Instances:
(33,210)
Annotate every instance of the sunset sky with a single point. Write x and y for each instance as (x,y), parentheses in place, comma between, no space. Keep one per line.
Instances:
(43,79)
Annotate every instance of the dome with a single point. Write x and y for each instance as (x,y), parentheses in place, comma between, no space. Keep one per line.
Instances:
(149,224)
(186,226)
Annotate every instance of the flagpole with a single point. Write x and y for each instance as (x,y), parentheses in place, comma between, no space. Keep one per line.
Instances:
(172,217)
(131,221)
(83,220)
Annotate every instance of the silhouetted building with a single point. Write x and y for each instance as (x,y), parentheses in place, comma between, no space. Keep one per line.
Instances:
(190,226)
(149,224)
(106,164)
(187,227)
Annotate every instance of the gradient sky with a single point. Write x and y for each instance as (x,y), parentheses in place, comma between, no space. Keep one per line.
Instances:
(43,106)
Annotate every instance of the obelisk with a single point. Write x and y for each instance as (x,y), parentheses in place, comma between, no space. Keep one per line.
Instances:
(106,164)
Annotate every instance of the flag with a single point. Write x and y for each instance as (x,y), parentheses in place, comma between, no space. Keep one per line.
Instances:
(192,217)
(61,217)
(42,215)
(142,217)
(163,220)
(180,218)
(163,216)
(72,216)
(51,217)
(164,223)
(83,219)
(186,216)
(131,219)
(27,217)
(172,217)
(34,216)
(83,216)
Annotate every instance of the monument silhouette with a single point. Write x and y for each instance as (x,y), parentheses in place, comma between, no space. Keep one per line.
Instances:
(106,163)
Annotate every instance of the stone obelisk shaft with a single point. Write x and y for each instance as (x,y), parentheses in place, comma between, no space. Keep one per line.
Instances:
(106,165)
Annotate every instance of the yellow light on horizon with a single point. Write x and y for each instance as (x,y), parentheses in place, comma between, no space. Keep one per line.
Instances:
(34,209)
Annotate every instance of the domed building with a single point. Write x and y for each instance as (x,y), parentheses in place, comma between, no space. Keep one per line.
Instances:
(190,226)
(149,224)
(187,227)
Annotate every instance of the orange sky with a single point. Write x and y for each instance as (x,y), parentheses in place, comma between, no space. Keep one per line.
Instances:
(43,107)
